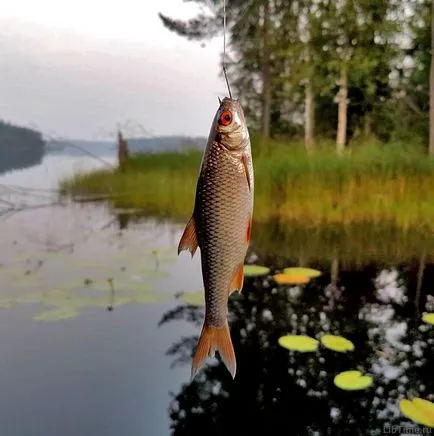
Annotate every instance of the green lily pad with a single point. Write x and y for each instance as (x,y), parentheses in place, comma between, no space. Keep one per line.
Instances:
(7,302)
(125,285)
(301,271)
(193,298)
(337,343)
(57,314)
(149,298)
(118,301)
(353,381)
(165,254)
(149,272)
(418,410)
(255,270)
(32,298)
(428,318)
(298,343)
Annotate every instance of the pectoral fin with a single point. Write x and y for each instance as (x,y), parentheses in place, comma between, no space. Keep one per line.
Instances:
(237,280)
(245,163)
(189,238)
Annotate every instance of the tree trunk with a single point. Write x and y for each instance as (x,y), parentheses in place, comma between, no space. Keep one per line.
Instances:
(367,125)
(341,136)
(309,118)
(431,88)
(266,77)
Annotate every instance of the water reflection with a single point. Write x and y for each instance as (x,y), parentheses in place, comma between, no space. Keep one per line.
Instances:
(355,245)
(81,261)
(293,393)
(65,271)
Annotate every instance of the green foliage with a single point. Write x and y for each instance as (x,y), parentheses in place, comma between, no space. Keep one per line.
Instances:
(370,183)
(19,147)
(384,46)
(159,183)
(11,135)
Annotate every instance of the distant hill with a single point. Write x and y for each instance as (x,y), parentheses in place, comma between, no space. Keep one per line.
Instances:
(20,147)
(163,143)
(79,147)
(135,145)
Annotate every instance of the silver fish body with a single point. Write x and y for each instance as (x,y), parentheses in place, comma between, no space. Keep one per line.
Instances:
(221,225)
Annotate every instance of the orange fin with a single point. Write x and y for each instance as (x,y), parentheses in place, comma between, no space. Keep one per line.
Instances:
(249,230)
(246,169)
(189,238)
(214,339)
(237,280)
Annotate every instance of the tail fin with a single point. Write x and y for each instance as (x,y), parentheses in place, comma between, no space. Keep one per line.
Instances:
(212,339)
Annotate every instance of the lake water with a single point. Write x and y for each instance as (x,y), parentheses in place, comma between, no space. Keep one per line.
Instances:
(96,339)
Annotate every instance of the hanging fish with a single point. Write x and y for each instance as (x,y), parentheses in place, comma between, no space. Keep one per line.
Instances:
(220,226)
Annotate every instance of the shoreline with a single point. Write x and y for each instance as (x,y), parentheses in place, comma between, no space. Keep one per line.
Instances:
(370,184)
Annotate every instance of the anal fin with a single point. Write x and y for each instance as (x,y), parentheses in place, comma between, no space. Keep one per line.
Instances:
(189,238)
(237,280)
(249,230)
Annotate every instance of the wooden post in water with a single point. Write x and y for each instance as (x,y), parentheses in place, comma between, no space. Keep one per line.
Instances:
(123,152)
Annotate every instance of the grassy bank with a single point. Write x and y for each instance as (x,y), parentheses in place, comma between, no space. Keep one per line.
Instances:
(367,184)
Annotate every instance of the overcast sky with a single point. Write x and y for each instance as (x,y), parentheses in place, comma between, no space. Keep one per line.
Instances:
(77,68)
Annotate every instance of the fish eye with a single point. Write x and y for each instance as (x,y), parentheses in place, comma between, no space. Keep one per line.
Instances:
(226,118)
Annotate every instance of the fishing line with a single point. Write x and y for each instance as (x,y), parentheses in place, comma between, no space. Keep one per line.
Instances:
(224,48)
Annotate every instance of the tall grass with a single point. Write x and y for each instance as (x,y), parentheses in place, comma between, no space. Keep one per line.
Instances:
(374,183)
(158,184)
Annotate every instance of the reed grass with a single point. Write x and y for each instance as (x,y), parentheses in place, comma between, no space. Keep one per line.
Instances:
(368,183)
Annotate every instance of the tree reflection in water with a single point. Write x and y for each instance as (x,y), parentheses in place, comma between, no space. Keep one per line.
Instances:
(280,392)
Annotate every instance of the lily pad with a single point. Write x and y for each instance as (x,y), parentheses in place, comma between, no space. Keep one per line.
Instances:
(165,254)
(298,343)
(7,302)
(337,343)
(148,272)
(418,410)
(290,279)
(193,298)
(301,271)
(428,318)
(255,270)
(149,298)
(31,298)
(352,381)
(57,314)
(125,285)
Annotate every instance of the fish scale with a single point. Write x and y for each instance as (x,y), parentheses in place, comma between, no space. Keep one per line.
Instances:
(223,244)
(220,226)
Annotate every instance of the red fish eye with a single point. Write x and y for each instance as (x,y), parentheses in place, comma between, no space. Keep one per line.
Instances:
(226,118)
